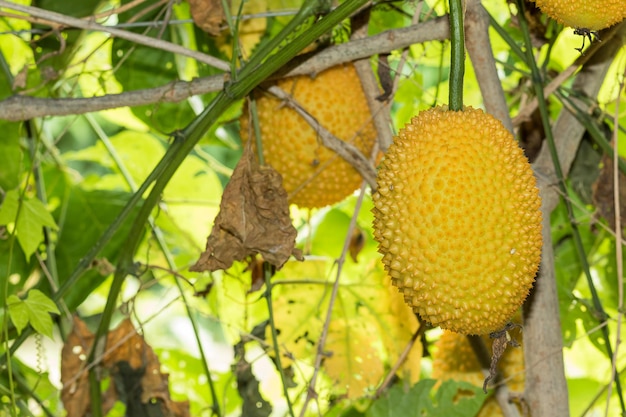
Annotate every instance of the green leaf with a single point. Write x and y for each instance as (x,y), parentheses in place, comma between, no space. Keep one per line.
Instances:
(18,312)
(9,207)
(35,310)
(59,54)
(86,215)
(31,219)
(10,156)
(458,399)
(452,399)
(145,67)
(366,308)
(399,402)
(34,216)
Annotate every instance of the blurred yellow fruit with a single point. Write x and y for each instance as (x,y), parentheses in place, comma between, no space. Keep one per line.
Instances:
(313,175)
(584,14)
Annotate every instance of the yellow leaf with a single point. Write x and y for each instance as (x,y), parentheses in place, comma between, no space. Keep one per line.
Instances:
(354,364)
(402,325)
(299,309)
(370,327)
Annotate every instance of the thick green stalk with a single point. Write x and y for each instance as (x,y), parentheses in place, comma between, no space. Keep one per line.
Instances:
(297,24)
(580,250)
(457,55)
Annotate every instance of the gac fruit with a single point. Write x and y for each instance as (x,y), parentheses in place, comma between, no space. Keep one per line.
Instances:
(457,219)
(313,175)
(584,14)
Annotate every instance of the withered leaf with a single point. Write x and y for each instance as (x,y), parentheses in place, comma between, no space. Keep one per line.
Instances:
(254,405)
(603,192)
(74,375)
(357,242)
(253,219)
(129,357)
(134,368)
(208,15)
(501,339)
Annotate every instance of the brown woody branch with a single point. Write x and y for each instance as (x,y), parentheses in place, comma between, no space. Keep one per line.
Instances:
(18,107)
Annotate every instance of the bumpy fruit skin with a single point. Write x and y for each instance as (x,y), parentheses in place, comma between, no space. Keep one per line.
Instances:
(458,221)
(454,359)
(584,14)
(313,175)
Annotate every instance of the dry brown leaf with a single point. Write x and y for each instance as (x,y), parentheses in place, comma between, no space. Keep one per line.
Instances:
(253,219)
(357,242)
(127,356)
(603,192)
(125,345)
(208,15)
(74,375)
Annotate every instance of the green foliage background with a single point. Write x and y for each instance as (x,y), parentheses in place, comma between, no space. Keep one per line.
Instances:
(65,179)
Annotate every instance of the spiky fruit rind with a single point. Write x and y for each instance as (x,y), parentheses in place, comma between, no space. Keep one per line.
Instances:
(584,14)
(458,221)
(313,175)
(454,358)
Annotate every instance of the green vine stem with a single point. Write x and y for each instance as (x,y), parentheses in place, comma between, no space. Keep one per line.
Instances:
(158,236)
(267,275)
(183,144)
(457,55)
(590,123)
(600,313)
(4,67)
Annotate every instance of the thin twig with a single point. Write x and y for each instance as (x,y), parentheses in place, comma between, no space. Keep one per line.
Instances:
(525,113)
(401,359)
(344,149)
(69,21)
(320,354)
(19,107)
(379,109)
(415,20)
(267,276)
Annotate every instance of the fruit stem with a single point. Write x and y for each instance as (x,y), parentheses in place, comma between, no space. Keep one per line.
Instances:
(457,55)
(254,117)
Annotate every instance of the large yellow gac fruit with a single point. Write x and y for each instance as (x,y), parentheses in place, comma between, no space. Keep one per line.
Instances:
(584,14)
(458,221)
(313,175)
(454,359)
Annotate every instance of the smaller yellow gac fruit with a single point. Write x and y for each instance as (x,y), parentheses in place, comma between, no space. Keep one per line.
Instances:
(457,218)
(584,14)
(313,175)
(454,359)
